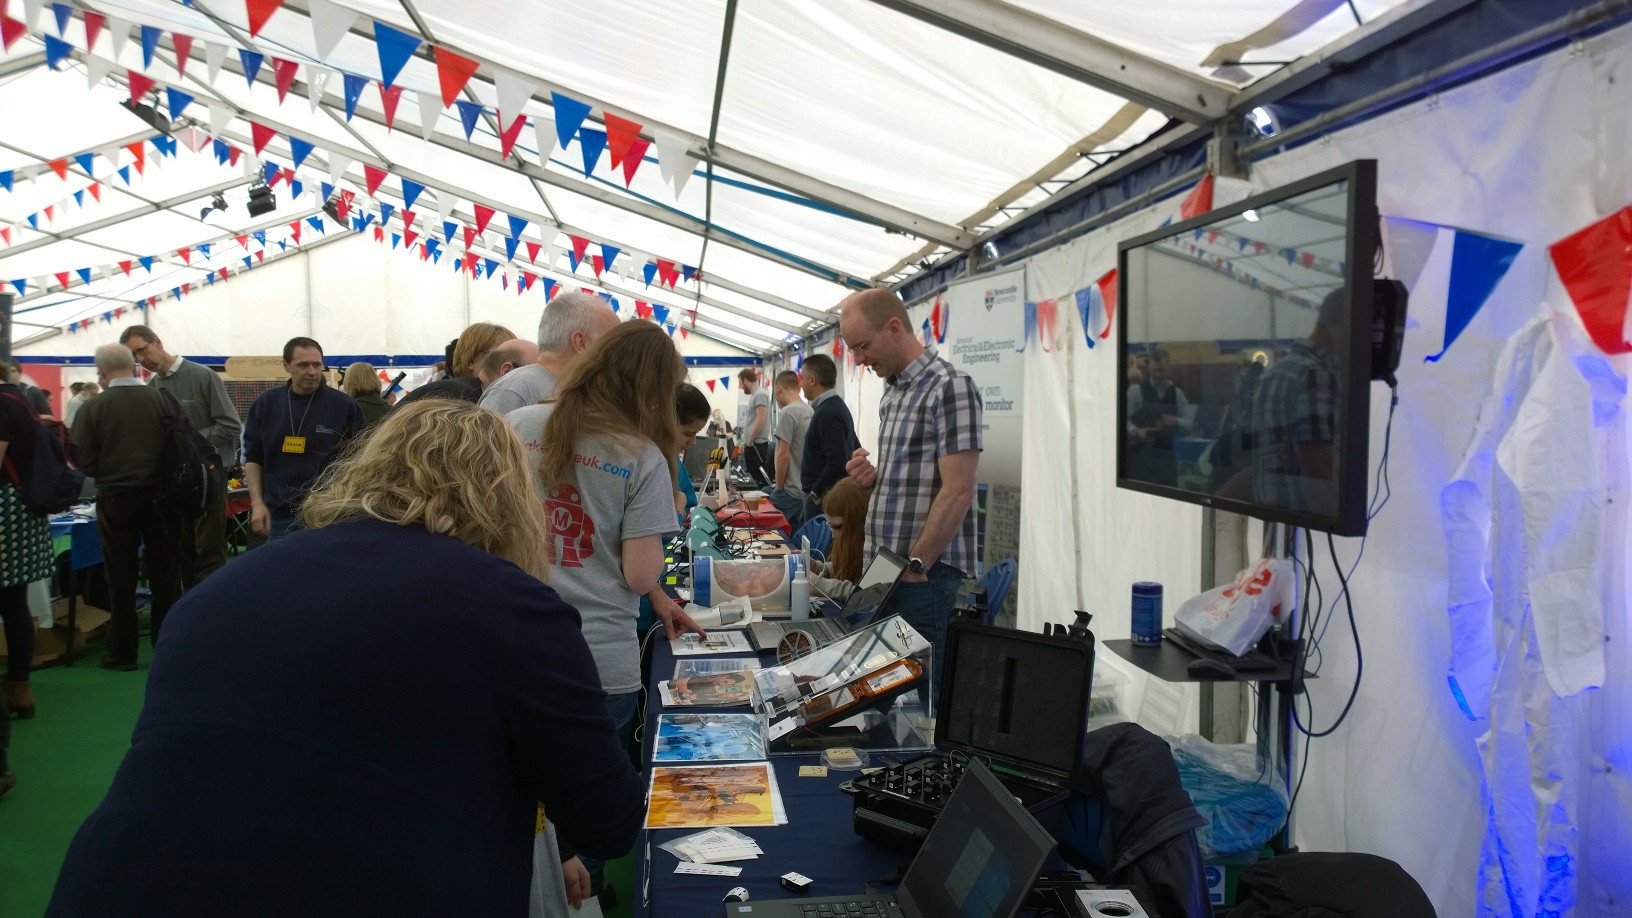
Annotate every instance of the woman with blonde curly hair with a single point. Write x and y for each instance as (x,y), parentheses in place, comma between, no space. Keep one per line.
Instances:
(363,718)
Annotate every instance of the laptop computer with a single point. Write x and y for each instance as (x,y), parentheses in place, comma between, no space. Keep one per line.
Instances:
(979,860)
(860,609)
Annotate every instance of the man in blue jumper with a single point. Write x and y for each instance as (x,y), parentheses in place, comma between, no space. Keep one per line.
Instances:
(292,434)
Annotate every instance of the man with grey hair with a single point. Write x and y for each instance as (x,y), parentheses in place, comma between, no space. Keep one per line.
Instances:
(571,322)
(121,436)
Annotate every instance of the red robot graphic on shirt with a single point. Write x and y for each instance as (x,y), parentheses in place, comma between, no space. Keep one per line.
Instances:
(572,532)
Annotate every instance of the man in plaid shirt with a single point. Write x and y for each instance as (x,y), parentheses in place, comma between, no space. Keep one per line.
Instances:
(929,444)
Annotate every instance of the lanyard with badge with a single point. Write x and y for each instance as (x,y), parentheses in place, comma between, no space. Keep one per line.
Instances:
(297,443)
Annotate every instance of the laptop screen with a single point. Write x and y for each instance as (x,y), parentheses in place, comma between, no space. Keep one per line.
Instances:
(980,858)
(874,587)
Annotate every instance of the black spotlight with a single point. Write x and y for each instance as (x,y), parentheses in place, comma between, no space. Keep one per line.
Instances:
(261,200)
(332,209)
(219,202)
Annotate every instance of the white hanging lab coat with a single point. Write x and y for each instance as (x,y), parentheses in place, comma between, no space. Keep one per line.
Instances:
(1524,517)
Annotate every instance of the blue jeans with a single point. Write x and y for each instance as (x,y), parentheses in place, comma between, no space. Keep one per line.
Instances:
(791,507)
(622,707)
(927,607)
(281,526)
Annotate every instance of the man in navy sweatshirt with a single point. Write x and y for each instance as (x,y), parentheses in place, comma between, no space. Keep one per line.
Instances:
(292,434)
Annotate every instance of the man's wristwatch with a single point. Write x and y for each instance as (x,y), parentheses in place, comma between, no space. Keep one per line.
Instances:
(915,566)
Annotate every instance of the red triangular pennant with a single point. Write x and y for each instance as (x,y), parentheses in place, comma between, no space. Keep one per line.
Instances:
(532,252)
(452,73)
(5,233)
(243,241)
(379,234)
(62,279)
(51,213)
(259,12)
(483,216)
(470,237)
(93,29)
(668,275)
(683,333)
(140,84)
(260,256)
(184,49)
(186,255)
(125,267)
(711,385)
(60,167)
(13,29)
(595,265)
(507,140)
(294,231)
(580,245)
(261,134)
(633,158)
(389,97)
(138,150)
(372,177)
(408,237)
(620,133)
(96,190)
(284,74)
(223,273)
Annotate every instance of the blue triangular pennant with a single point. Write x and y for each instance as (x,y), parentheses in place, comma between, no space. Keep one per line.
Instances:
(79,197)
(146,262)
(296,188)
(6,179)
(223,153)
(300,149)
(283,245)
(34,220)
(458,264)
(410,193)
(260,236)
(650,271)
(396,240)
(491,266)
(395,49)
(591,142)
(661,313)
(84,275)
(386,210)
(205,248)
(86,161)
(448,229)
(252,63)
(1478,264)
(1085,308)
(572,256)
(328,190)
(165,145)
(468,113)
(609,254)
(316,223)
(65,15)
(269,171)
(517,224)
(56,50)
(21,284)
(247,262)
(210,278)
(687,272)
(150,43)
(510,244)
(353,91)
(569,116)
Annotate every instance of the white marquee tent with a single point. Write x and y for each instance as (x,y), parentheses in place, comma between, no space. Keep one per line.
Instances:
(779,154)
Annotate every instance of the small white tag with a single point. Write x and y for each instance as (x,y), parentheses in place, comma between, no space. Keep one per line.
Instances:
(708,870)
(782,728)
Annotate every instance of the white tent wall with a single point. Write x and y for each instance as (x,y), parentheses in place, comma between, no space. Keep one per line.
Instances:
(353,295)
(1533,154)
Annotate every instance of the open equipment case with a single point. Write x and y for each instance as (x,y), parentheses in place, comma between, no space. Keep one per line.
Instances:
(1016,700)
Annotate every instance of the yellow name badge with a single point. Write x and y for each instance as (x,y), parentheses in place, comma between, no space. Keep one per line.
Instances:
(294,444)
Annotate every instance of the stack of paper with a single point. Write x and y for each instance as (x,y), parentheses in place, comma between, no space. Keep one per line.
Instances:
(714,846)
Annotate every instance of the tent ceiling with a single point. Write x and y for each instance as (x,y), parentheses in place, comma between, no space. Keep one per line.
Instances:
(846,143)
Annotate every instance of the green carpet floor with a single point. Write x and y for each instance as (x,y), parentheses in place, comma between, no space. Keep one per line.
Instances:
(65,759)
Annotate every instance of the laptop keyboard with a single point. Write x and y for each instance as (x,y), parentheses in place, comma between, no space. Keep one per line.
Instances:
(869,909)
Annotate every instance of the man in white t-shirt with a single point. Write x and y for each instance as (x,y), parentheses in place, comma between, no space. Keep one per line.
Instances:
(571,322)
(792,423)
(754,426)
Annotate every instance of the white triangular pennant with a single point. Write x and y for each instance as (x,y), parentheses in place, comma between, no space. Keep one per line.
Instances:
(214,56)
(220,117)
(118,34)
(31,13)
(674,159)
(444,205)
(682,173)
(430,109)
(317,83)
(513,92)
(330,22)
(97,69)
(337,167)
(192,138)
(544,125)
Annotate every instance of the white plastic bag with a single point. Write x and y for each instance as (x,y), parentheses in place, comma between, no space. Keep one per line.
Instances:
(1235,616)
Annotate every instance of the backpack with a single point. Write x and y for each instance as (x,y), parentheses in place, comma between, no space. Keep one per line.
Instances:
(188,478)
(55,480)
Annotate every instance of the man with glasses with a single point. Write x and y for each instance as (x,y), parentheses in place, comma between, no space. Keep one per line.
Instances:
(203,397)
(929,442)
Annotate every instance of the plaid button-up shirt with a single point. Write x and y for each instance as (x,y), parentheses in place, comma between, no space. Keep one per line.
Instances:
(930,409)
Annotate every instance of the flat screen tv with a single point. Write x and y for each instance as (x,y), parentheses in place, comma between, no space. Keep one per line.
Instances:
(1245,340)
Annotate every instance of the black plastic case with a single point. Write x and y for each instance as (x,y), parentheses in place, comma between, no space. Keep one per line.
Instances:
(1017,700)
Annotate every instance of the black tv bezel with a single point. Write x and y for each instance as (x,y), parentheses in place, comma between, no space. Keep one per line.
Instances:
(1361,251)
